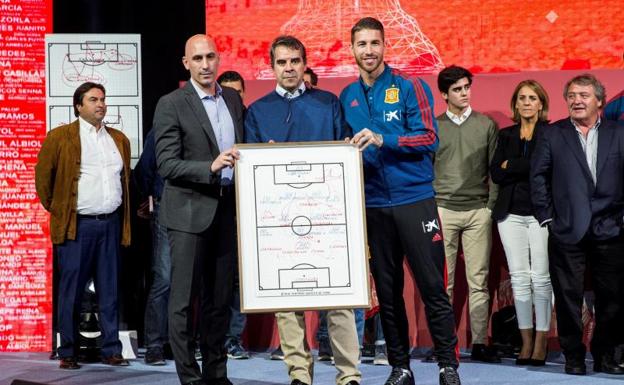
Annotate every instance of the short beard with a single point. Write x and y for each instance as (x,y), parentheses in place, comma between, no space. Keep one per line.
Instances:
(361,65)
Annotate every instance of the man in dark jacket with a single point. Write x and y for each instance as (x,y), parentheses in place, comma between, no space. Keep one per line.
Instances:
(577,183)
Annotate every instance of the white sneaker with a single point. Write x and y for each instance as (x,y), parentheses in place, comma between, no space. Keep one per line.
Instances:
(381,358)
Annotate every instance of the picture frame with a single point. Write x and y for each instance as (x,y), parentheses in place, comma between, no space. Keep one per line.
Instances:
(301,227)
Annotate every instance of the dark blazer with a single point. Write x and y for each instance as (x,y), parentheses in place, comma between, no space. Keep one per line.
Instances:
(509,148)
(185,149)
(563,189)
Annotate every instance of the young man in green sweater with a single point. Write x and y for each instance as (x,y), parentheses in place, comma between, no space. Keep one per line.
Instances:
(465,196)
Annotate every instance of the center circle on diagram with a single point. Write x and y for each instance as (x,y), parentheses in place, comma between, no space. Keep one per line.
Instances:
(301,225)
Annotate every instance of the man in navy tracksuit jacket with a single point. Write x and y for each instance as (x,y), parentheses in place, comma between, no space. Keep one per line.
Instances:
(393,122)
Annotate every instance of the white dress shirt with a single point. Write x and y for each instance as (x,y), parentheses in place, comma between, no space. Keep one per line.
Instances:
(99,186)
(461,118)
(281,91)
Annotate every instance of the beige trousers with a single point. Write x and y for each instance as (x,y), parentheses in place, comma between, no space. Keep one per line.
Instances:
(343,339)
(475,229)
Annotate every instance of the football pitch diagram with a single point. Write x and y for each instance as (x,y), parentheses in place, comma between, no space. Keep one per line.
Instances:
(112,60)
(301,225)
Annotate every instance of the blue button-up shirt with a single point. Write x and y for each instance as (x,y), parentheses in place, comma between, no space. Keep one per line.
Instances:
(222,124)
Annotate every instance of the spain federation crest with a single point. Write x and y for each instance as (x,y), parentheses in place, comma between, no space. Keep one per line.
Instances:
(392,95)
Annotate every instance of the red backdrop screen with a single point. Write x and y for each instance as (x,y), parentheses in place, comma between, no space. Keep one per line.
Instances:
(25,250)
(424,36)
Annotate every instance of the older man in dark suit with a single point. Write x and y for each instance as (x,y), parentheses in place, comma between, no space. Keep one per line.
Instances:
(577,182)
(197,127)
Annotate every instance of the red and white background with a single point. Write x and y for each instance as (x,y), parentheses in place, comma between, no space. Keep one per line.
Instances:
(502,41)
(25,249)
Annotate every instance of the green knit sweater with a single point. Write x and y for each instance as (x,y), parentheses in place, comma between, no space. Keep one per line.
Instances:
(462,163)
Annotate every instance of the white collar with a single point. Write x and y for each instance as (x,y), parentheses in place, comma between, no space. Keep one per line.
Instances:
(87,127)
(459,119)
(202,94)
(290,95)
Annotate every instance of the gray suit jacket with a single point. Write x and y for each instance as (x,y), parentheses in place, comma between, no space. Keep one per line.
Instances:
(185,149)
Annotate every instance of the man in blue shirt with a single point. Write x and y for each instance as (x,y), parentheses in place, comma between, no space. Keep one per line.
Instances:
(392,118)
(295,113)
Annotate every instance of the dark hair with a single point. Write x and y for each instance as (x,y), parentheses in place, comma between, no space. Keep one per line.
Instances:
(313,76)
(542,116)
(81,91)
(367,23)
(231,76)
(288,42)
(587,80)
(451,74)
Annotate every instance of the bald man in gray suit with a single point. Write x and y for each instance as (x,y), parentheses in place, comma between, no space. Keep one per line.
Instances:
(197,127)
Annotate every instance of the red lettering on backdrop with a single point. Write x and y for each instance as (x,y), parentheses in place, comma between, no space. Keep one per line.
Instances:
(25,249)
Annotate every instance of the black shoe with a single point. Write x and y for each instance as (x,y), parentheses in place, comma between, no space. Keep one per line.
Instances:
(236,351)
(155,357)
(524,361)
(167,353)
(575,367)
(606,364)
(536,362)
(297,382)
(69,363)
(483,353)
(219,381)
(277,354)
(618,355)
(449,376)
(400,376)
(325,351)
(115,360)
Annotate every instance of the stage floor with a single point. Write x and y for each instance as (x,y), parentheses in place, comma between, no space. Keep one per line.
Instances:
(259,370)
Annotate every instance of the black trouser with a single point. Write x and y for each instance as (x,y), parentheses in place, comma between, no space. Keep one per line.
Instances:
(202,266)
(568,263)
(414,231)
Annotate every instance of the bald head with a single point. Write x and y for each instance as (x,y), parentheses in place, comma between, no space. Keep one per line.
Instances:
(198,39)
(201,59)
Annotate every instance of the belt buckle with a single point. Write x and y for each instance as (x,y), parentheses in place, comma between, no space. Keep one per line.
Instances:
(101,217)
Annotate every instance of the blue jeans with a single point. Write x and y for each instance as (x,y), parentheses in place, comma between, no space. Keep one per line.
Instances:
(237,319)
(323,335)
(379,335)
(156,325)
(94,253)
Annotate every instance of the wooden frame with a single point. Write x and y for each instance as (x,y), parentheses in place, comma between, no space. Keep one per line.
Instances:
(301,227)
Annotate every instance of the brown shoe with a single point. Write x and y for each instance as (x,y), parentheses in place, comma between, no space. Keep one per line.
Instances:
(115,360)
(69,363)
